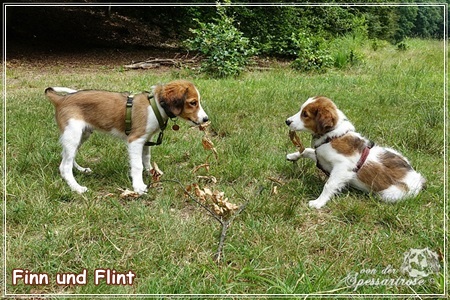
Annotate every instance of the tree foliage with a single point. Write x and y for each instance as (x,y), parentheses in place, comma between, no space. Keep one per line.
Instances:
(268,24)
(303,32)
(227,34)
(224,46)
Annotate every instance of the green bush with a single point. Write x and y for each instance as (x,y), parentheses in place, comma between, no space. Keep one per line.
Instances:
(312,52)
(346,50)
(226,50)
(402,46)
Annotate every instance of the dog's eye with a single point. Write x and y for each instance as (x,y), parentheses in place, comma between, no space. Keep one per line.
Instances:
(304,114)
(193,103)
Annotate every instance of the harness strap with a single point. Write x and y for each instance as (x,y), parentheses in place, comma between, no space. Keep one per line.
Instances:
(319,166)
(128,115)
(162,124)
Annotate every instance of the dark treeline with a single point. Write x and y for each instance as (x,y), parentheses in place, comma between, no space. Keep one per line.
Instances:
(387,22)
(269,28)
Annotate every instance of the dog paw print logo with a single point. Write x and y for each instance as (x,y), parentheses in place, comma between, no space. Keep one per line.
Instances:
(420,263)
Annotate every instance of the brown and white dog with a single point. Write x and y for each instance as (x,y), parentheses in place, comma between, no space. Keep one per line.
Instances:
(349,158)
(80,112)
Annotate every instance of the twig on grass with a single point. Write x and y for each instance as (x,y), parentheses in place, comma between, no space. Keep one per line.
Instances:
(195,200)
(158,62)
(225,223)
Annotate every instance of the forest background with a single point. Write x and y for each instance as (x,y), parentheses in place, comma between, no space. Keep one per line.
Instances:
(228,35)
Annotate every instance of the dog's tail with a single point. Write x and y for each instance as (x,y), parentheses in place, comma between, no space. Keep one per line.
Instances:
(52,93)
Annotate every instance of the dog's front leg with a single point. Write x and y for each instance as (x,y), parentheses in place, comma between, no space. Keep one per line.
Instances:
(337,180)
(293,156)
(146,159)
(135,150)
(307,153)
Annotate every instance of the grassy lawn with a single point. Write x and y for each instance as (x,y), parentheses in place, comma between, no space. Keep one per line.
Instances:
(277,245)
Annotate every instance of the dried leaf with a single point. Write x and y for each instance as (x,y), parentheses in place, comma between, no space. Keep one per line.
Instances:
(296,141)
(156,173)
(208,145)
(231,206)
(128,194)
(198,192)
(274,190)
(217,209)
(203,126)
(209,179)
(208,192)
(206,166)
(215,200)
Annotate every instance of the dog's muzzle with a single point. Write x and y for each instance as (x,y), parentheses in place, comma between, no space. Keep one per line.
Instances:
(204,120)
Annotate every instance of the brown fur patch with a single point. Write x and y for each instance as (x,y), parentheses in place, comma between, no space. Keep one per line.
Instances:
(380,176)
(320,116)
(394,161)
(348,144)
(103,110)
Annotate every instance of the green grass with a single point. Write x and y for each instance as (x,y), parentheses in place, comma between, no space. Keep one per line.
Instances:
(277,245)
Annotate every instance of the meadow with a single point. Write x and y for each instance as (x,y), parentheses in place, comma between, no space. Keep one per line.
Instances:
(277,245)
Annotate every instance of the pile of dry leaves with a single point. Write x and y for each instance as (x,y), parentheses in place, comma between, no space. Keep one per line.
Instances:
(215,200)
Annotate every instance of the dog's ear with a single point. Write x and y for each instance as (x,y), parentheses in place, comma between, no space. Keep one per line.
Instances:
(326,119)
(172,98)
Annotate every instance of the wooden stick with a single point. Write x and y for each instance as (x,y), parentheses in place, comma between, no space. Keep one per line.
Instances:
(224,223)
(296,141)
(157,62)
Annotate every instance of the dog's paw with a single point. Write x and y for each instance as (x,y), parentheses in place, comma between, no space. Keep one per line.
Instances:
(81,169)
(80,189)
(86,170)
(316,204)
(141,189)
(293,156)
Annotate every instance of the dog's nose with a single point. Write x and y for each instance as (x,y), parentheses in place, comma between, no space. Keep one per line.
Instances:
(288,122)
(205,119)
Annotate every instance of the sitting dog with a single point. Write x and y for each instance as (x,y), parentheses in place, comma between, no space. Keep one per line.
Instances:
(348,158)
(133,118)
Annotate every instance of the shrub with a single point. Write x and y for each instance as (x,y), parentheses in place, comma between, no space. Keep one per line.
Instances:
(312,52)
(377,44)
(346,50)
(402,46)
(226,50)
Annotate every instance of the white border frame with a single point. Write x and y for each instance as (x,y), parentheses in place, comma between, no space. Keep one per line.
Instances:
(325,294)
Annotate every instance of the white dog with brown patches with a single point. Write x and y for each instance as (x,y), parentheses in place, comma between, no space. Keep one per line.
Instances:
(348,158)
(80,112)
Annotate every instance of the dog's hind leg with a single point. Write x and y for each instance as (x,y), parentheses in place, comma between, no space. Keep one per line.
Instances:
(410,186)
(86,134)
(339,177)
(70,140)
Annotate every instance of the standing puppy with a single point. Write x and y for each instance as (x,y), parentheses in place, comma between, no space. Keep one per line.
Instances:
(348,158)
(80,112)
